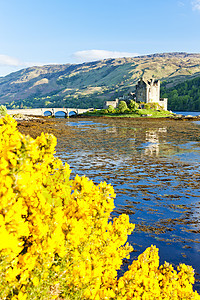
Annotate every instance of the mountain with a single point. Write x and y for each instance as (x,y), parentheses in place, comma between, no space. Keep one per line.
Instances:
(90,84)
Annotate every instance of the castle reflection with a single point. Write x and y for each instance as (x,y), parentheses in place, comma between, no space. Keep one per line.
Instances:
(152,140)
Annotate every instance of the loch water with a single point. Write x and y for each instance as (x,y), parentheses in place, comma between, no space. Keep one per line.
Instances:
(154,167)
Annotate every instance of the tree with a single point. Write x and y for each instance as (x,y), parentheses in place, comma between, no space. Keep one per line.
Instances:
(110,109)
(122,106)
(133,105)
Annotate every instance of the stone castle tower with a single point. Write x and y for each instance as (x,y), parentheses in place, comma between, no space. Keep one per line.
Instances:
(148,91)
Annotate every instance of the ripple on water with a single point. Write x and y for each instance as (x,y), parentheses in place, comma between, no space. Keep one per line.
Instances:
(154,167)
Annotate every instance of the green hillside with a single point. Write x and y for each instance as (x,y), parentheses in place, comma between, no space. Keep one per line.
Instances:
(90,84)
(184,96)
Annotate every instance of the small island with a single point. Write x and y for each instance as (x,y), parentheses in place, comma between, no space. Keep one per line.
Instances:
(144,102)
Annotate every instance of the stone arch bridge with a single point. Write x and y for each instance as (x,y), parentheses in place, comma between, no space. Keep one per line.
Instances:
(41,111)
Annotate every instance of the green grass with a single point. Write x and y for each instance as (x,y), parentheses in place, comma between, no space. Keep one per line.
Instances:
(148,113)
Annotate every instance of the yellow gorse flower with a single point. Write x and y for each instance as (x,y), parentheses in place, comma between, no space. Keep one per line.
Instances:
(56,236)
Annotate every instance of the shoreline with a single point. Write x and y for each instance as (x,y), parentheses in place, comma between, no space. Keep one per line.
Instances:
(34,126)
(174,117)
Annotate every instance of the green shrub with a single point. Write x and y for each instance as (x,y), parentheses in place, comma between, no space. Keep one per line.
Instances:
(3,110)
(122,106)
(110,109)
(132,105)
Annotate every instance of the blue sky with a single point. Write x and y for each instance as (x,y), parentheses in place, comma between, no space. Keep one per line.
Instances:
(38,32)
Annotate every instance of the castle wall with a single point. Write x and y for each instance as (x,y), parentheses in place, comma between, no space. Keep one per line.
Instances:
(141,91)
(114,103)
(153,94)
(163,103)
(149,91)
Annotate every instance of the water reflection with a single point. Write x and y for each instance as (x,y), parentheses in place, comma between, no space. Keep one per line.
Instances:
(152,140)
(154,167)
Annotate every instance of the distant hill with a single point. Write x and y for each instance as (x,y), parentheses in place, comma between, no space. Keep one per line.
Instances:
(90,84)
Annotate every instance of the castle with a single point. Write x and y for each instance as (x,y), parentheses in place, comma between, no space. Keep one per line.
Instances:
(147,91)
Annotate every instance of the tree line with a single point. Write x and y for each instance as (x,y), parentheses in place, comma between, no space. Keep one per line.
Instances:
(184,96)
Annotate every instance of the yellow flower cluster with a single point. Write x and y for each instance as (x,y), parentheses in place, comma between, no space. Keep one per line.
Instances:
(57,240)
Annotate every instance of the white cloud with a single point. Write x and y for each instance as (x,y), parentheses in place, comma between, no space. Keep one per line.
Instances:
(9,64)
(196,5)
(93,55)
(6,60)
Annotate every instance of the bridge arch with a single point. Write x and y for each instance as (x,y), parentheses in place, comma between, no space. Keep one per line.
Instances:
(72,113)
(47,113)
(61,113)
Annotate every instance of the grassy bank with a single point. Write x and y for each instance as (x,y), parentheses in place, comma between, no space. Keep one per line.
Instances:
(150,113)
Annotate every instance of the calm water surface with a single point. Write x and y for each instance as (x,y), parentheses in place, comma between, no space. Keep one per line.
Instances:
(154,166)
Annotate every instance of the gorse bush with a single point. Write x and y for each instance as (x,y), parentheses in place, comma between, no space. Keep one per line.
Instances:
(57,240)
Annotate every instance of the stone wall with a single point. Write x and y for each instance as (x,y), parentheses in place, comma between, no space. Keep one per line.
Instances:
(153,91)
(163,103)
(141,91)
(114,103)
